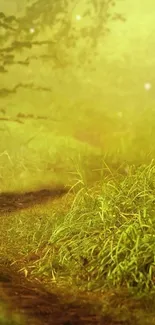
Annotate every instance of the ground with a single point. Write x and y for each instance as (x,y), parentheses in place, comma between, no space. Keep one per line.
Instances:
(31,299)
(37,305)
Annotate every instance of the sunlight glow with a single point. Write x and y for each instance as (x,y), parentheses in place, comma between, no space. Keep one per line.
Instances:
(32,30)
(147,85)
(78,17)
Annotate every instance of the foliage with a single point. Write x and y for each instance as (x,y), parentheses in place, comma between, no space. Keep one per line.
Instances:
(52,25)
(105,239)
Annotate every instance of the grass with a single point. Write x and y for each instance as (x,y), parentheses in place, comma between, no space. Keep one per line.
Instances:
(106,239)
(98,239)
(27,161)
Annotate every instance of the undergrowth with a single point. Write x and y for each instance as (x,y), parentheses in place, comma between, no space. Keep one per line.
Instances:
(105,240)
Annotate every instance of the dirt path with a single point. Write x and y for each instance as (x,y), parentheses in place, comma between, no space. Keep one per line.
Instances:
(10,202)
(41,307)
(30,299)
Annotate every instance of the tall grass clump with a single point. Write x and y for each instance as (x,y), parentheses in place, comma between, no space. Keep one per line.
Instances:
(107,239)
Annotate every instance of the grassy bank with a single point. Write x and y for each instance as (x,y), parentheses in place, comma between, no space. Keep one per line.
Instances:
(98,240)
(104,238)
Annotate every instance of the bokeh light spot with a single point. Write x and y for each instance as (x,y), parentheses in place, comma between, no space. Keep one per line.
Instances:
(147,85)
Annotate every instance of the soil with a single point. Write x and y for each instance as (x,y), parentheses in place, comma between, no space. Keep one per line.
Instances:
(40,307)
(10,202)
(30,299)
(34,303)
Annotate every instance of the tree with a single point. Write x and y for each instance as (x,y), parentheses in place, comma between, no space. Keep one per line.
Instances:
(62,32)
